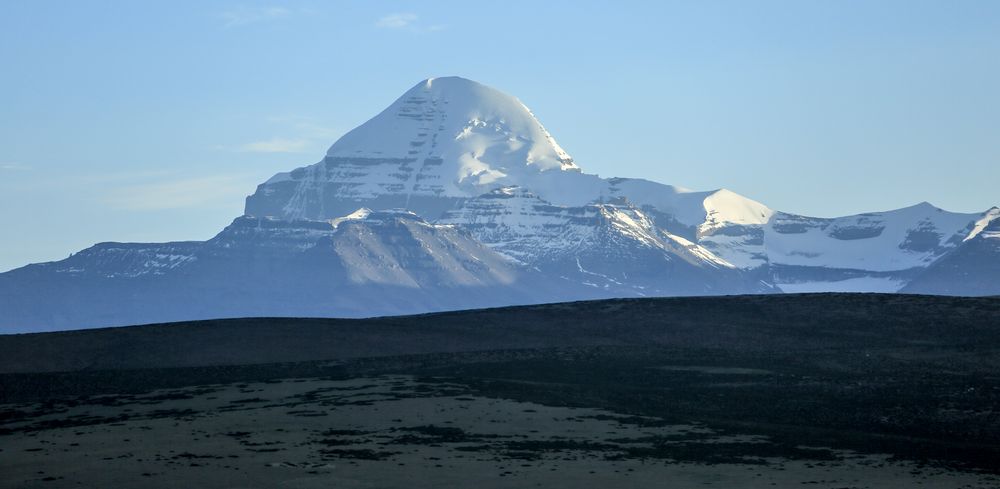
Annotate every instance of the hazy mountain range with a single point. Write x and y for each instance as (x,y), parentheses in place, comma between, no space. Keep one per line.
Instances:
(454,197)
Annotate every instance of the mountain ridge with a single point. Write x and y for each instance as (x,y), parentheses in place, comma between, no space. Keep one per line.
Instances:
(456,196)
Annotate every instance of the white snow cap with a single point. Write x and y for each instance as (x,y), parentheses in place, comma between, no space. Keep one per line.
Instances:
(489,132)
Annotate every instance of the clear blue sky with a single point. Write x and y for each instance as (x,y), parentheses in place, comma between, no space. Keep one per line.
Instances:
(150,121)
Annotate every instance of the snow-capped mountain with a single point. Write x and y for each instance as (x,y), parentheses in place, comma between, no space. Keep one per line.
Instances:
(612,246)
(449,139)
(444,140)
(455,196)
(872,252)
(877,252)
(969,268)
(368,263)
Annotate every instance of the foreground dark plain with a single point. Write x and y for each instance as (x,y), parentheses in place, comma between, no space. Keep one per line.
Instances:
(775,389)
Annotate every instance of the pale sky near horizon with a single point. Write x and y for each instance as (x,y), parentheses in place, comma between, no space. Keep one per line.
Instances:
(151,121)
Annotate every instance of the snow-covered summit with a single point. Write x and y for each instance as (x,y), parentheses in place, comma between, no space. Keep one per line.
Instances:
(450,139)
(488,132)
(444,140)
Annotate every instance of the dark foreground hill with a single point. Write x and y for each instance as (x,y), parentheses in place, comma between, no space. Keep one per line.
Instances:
(804,323)
(836,390)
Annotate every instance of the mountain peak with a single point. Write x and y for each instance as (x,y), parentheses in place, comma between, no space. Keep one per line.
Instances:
(444,140)
(924,205)
(488,133)
(447,82)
